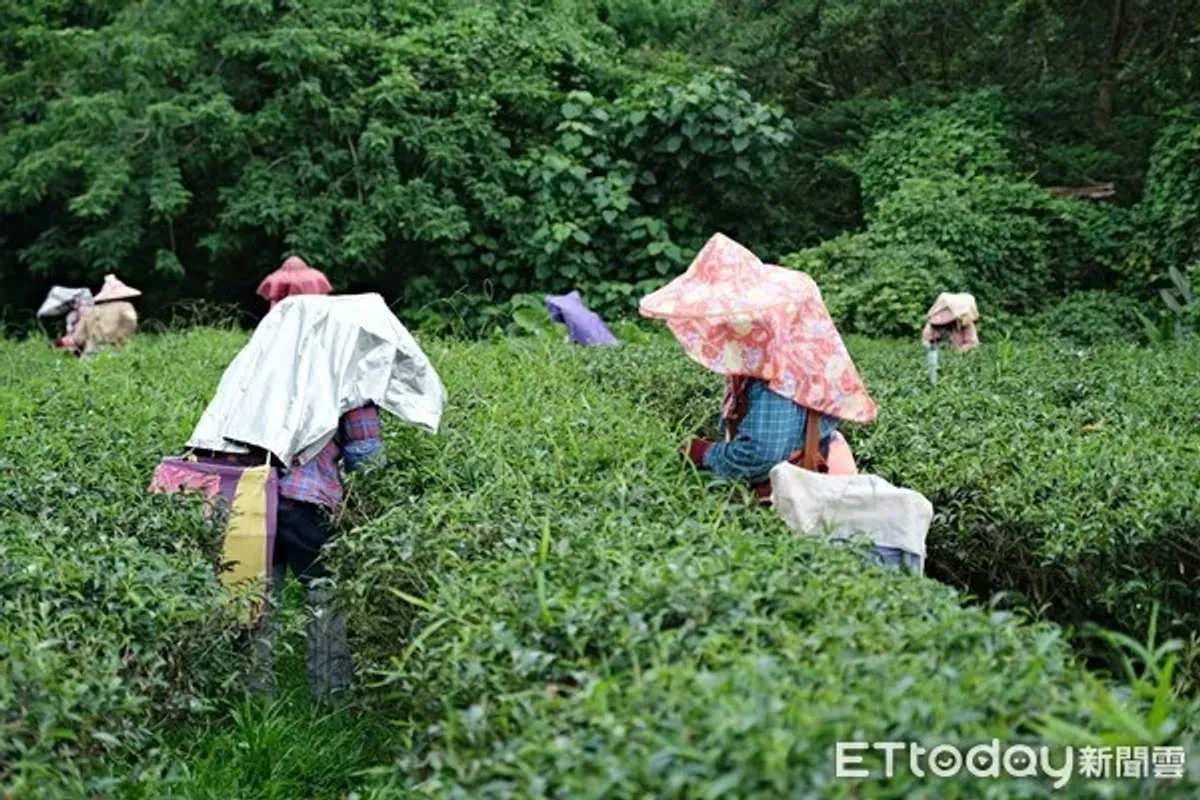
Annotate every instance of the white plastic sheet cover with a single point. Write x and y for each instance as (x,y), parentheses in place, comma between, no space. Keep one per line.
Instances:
(65,300)
(310,360)
(846,505)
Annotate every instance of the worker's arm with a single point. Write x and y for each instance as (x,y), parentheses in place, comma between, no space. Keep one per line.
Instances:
(771,431)
(362,438)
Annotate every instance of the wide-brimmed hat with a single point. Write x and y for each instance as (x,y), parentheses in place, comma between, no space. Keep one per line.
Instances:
(293,277)
(115,289)
(736,315)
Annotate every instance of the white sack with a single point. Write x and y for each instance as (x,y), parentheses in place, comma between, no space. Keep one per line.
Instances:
(850,505)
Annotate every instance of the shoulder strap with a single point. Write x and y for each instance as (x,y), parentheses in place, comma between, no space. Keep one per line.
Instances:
(733,409)
(811,458)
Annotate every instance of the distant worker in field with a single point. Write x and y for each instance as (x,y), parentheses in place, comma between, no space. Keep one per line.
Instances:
(74,304)
(112,321)
(952,319)
(788,376)
(584,326)
(307,392)
(294,277)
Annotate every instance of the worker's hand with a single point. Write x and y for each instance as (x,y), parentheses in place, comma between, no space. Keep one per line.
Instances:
(696,449)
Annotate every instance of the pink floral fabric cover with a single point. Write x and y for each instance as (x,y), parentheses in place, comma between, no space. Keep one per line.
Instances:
(737,316)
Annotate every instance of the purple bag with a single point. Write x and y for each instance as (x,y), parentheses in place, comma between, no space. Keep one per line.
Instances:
(583,325)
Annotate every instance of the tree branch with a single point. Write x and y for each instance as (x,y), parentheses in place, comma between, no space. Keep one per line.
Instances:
(357,175)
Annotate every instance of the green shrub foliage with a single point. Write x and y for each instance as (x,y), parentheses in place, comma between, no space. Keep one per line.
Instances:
(112,623)
(967,139)
(546,584)
(1169,214)
(190,146)
(942,182)
(878,289)
(1092,318)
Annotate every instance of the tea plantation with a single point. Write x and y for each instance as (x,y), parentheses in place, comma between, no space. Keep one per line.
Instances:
(548,603)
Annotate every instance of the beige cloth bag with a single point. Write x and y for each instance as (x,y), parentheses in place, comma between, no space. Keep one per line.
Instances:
(811,503)
(112,323)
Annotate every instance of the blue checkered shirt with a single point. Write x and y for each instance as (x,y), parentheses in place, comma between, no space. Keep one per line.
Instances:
(318,481)
(771,431)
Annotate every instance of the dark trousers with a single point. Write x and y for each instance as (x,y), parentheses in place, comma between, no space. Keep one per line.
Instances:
(302,530)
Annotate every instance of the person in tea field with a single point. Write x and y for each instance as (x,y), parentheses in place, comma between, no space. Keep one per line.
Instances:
(112,320)
(74,304)
(789,379)
(952,319)
(307,392)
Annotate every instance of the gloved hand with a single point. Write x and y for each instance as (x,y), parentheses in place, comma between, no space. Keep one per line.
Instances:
(696,450)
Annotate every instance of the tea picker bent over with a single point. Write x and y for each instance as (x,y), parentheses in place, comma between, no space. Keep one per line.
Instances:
(306,392)
(111,322)
(952,319)
(789,379)
(74,304)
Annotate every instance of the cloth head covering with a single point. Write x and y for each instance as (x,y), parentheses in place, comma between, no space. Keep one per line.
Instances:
(115,289)
(739,317)
(584,326)
(66,300)
(956,313)
(295,276)
(311,360)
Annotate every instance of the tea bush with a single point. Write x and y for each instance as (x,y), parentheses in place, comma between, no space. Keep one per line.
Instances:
(111,621)
(1065,475)
(547,602)
(555,607)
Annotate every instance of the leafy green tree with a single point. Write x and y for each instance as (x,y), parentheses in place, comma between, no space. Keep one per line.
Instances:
(190,146)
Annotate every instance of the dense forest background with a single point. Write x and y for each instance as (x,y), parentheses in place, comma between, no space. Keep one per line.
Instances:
(480,150)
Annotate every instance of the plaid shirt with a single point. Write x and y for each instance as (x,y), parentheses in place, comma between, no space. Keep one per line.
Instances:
(771,431)
(318,481)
